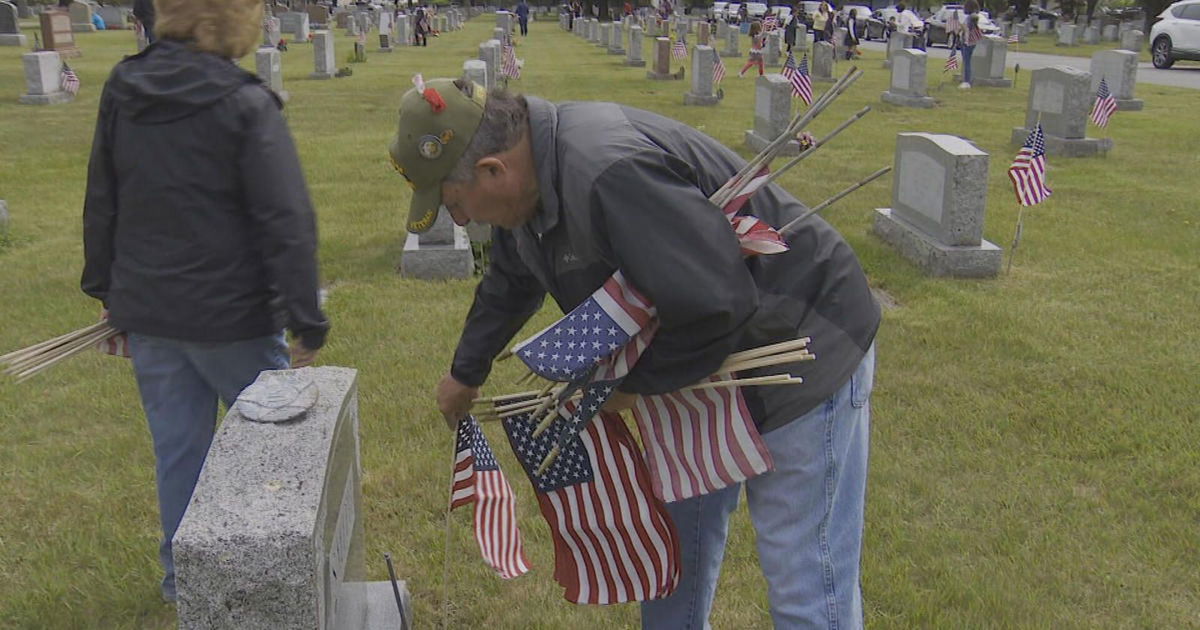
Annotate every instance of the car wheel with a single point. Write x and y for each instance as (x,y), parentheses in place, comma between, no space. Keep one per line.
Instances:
(1160,53)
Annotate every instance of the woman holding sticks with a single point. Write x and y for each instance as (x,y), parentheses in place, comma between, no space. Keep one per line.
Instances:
(199,236)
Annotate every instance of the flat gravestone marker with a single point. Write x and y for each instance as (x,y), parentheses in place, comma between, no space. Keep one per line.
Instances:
(1061,98)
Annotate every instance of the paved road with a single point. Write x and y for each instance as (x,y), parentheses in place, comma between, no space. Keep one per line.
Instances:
(1184,74)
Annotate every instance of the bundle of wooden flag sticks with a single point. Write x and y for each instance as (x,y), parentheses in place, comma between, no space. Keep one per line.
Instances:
(27,362)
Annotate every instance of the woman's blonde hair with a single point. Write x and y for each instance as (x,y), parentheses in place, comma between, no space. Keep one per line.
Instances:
(229,28)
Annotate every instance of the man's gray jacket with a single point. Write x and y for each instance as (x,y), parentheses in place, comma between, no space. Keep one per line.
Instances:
(627,189)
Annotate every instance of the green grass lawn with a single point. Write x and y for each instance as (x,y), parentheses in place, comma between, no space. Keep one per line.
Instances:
(1035,461)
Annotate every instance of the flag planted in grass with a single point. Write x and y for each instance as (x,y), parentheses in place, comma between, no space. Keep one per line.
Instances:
(718,70)
(69,80)
(679,49)
(799,78)
(1105,105)
(951,62)
(1028,170)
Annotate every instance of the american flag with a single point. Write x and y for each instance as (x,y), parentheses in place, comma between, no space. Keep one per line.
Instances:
(602,324)
(679,49)
(1105,105)
(478,480)
(769,23)
(699,441)
(509,66)
(1014,38)
(613,540)
(951,61)
(718,69)
(1028,170)
(799,78)
(117,346)
(69,80)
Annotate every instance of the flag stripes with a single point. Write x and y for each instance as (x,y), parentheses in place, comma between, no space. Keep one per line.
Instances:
(1105,105)
(1028,170)
(479,480)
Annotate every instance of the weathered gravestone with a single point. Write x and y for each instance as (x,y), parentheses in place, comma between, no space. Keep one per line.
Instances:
(441,253)
(989,63)
(704,35)
(1043,27)
(1061,98)
(81,17)
(272,31)
(722,29)
(606,29)
(10,30)
(504,20)
(661,71)
(23,10)
(318,16)
(295,24)
(772,113)
(839,40)
(1109,33)
(771,56)
(385,31)
(897,41)
(475,70)
(908,86)
(594,31)
(1119,69)
(500,34)
(324,63)
(1022,32)
(1091,35)
(634,55)
(704,58)
(404,33)
(823,62)
(268,65)
(1067,35)
(342,18)
(731,44)
(489,52)
(801,44)
(273,537)
(43,79)
(939,197)
(115,18)
(1132,40)
(616,40)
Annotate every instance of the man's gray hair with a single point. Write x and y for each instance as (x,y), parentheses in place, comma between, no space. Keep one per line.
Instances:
(505,119)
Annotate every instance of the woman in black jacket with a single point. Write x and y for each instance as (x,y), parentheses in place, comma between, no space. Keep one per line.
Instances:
(199,236)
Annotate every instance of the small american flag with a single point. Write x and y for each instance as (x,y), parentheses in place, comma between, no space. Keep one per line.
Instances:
(1028,170)
(478,480)
(679,49)
(769,23)
(1014,38)
(613,540)
(718,70)
(1105,105)
(116,345)
(510,67)
(951,61)
(69,80)
(799,78)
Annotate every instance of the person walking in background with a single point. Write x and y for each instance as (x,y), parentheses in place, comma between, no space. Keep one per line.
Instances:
(523,16)
(199,237)
(971,37)
(820,21)
(421,26)
(757,42)
(852,35)
(790,29)
(908,22)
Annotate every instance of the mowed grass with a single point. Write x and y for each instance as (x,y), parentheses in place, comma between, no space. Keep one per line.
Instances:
(1035,461)
(1048,44)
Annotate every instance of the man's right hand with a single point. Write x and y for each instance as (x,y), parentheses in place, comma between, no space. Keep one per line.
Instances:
(454,399)
(301,356)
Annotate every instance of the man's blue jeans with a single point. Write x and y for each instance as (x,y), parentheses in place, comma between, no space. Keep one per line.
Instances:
(807,515)
(180,382)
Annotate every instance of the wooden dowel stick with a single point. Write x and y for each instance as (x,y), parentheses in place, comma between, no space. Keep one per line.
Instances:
(828,202)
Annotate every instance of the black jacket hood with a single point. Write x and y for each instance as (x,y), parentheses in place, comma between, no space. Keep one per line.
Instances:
(169,81)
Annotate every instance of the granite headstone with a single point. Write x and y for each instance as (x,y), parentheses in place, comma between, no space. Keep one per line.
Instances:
(1061,98)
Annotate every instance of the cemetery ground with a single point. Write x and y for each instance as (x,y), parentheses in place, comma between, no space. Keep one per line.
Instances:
(1047,44)
(1034,460)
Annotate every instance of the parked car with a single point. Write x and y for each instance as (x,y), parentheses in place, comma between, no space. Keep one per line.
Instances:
(935,25)
(718,10)
(861,15)
(1123,14)
(732,11)
(756,10)
(878,26)
(1176,34)
(782,13)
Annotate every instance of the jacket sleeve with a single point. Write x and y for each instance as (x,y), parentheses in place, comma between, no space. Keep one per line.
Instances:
(100,207)
(677,248)
(276,199)
(505,299)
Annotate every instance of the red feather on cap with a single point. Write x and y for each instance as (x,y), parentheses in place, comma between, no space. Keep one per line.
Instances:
(434,99)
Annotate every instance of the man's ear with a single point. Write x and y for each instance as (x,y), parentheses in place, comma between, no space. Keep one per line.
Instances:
(491,166)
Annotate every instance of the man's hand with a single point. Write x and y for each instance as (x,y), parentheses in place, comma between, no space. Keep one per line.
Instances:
(454,399)
(619,401)
(301,356)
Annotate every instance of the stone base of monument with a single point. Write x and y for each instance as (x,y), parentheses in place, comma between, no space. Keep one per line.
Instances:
(18,39)
(905,100)
(56,98)
(1067,147)
(937,259)
(616,51)
(998,83)
(83,28)
(1130,104)
(636,63)
(670,76)
(437,262)
(758,143)
(690,98)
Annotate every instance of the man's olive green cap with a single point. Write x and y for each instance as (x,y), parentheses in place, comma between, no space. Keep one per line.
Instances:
(437,122)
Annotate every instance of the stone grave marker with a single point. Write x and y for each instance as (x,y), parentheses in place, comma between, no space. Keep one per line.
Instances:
(772,113)
(605,34)
(616,40)
(703,60)
(662,62)
(342,18)
(731,44)
(1119,69)
(1132,40)
(908,87)
(897,41)
(1043,27)
(504,21)
(475,70)
(989,63)
(1022,31)
(23,10)
(704,35)
(1091,35)
(839,40)
(273,536)
(272,31)
(823,62)
(594,31)
(1062,98)
(10,29)
(1067,35)
(774,50)
(269,68)
(296,24)
(81,17)
(499,34)
(404,33)
(634,56)
(43,79)
(1109,33)
(318,16)
(324,62)
(115,18)
(722,29)
(489,52)
(939,197)
(441,253)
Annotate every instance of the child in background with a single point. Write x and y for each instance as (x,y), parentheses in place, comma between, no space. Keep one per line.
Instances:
(757,42)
